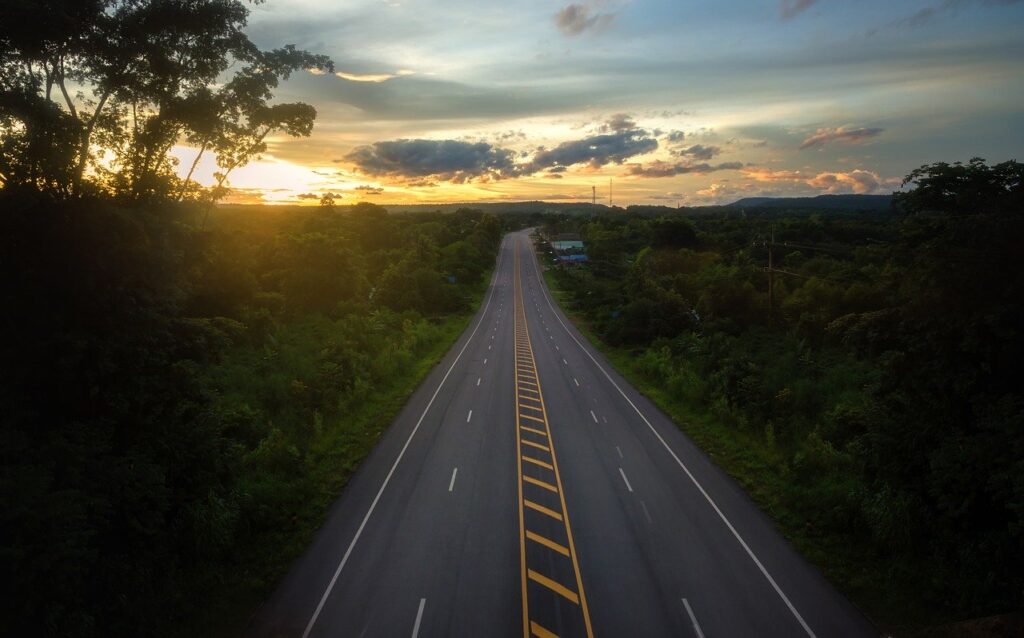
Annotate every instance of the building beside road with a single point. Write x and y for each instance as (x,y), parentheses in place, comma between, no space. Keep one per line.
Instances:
(569,248)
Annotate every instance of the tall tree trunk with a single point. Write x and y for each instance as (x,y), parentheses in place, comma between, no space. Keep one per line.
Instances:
(83,151)
(188,178)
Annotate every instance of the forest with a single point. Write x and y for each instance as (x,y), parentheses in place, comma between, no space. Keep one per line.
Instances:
(185,386)
(181,405)
(871,401)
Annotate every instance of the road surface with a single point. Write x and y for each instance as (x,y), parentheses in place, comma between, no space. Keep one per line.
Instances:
(527,489)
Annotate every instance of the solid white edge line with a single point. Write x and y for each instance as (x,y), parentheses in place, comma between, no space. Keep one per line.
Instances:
(700,488)
(625,480)
(693,619)
(451,484)
(419,618)
(401,453)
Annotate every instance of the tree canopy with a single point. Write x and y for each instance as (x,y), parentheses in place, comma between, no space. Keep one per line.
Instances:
(95,93)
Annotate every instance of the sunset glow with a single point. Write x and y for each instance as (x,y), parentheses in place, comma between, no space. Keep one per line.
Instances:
(676,102)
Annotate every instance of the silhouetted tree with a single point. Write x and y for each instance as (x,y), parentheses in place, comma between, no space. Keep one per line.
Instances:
(145,68)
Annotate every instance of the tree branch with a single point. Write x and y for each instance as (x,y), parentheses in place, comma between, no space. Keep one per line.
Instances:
(188,178)
(64,90)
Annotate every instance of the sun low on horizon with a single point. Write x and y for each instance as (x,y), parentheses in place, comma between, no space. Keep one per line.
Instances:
(652,102)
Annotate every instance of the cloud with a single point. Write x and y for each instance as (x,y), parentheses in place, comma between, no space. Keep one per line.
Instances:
(931,12)
(842,134)
(372,77)
(574,19)
(659,168)
(369,190)
(675,136)
(618,123)
(793,8)
(308,196)
(856,181)
(698,151)
(442,160)
(596,150)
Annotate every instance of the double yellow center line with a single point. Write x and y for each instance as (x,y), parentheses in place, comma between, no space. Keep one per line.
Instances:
(543,516)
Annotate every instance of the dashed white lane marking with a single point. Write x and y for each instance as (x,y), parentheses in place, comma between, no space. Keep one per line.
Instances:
(693,619)
(593,416)
(488,347)
(394,466)
(485,361)
(576,382)
(557,348)
(564,361)
(646,513)
(469,416)
(419,618)
(605,419)
(451,484)
(625,480)
(617,449)
(686,470)
(478,380)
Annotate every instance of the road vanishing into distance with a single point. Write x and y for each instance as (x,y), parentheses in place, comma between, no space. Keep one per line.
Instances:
(527,489)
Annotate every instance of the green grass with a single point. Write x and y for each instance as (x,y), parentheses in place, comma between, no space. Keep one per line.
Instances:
(889,597)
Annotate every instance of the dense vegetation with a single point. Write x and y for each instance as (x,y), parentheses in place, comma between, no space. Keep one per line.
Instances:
(876,409)
(180,405)
(184,389)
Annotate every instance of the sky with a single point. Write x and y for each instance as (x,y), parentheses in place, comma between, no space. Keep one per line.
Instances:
(675,102)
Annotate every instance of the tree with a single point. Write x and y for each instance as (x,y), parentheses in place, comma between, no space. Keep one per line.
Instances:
(964,189)
(146,68)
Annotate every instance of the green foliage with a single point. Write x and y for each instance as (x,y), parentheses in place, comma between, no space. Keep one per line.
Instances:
(147,71)
(886,374)
(173,395)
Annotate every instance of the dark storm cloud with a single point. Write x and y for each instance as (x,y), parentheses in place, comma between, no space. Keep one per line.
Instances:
(574,19)
(842,134)
(668,169)
(698,151)
(596,150)
(445,160)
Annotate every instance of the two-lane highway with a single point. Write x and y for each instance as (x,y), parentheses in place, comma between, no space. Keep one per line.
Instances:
(527,489)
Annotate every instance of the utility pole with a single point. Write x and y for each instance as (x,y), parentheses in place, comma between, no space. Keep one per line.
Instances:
(770,269)
(593,190)
(610,192)
(771,275)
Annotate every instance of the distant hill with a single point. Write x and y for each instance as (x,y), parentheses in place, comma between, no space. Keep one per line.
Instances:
(821,202)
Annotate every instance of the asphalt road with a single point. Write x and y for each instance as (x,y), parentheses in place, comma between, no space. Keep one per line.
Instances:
(527,489)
